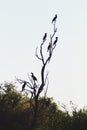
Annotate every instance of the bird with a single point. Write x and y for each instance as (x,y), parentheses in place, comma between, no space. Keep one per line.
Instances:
(45,35)
(49,46)
(33,77)
(23,86)
(54,19)
(55,41)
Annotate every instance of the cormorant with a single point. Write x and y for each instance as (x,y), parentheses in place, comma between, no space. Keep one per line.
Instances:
(33,77)
(54,19)
(55,41)
(23,86)
(45,35)
(49,46)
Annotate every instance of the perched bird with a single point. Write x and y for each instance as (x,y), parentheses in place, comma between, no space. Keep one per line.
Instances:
(45,35)
(49,47)
(55,41)
(23,86)
(54,19)
(33,77)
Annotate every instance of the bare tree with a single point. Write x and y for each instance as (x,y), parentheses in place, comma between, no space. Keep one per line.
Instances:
(34,88)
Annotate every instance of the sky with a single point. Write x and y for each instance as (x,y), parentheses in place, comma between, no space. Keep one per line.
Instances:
(22,26)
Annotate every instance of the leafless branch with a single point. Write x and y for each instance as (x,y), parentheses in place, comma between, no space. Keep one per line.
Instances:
(34,88)
(46,77)
(36,54)
(46,88)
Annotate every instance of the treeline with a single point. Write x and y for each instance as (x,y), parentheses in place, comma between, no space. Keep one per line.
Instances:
(16,113)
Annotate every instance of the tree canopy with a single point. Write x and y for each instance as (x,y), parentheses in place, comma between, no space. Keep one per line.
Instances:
(16,113)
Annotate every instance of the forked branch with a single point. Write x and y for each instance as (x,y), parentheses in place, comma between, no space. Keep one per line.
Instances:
(34,88)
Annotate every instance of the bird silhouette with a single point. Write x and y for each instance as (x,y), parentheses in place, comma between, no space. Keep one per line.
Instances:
(23,86)
(45,35)
(49,47)
(33,77)
(54,19)
(55,41)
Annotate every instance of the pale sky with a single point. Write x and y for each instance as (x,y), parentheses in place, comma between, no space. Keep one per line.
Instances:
(22,26)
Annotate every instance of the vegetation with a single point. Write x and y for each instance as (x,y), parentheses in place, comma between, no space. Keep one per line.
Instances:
(20,111)
(16,113)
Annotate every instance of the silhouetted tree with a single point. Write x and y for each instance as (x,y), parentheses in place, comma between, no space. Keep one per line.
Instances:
(36,88)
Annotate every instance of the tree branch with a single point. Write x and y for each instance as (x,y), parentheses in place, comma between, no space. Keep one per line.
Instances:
(34,88)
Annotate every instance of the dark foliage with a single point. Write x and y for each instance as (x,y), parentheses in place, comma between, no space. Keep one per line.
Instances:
(16,113)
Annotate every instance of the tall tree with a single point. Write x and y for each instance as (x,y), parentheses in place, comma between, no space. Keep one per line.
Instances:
(34,87)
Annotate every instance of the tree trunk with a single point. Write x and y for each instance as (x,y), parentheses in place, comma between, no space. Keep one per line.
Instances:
(34,121)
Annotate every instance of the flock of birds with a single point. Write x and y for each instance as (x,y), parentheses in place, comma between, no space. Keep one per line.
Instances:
(45,35)
(24,83)
(48,48)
